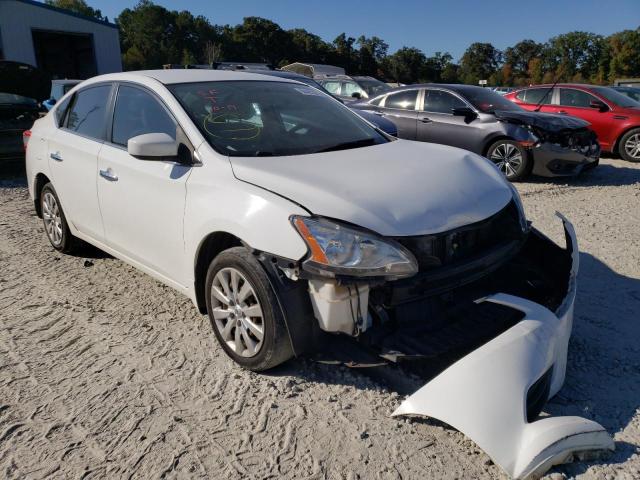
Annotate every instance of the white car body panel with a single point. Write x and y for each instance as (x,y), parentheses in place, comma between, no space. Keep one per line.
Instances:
(143,210)
(377,187)
(489,405)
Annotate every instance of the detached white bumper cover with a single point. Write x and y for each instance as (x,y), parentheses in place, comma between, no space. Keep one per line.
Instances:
(483,395)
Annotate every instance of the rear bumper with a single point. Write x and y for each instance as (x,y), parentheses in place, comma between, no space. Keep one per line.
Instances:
(488,393)
(551,160)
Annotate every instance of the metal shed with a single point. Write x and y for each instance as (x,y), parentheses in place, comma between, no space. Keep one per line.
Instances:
(58,41)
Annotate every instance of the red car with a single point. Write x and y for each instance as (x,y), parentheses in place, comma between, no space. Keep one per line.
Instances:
(613,116)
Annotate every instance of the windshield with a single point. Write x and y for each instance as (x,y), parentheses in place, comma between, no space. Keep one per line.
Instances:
(618,98)
(488,101)
(372,86)
(260,118)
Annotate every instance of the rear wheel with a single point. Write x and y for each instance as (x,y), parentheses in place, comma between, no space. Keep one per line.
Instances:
(629,147)
(244,311)
(55,222)
(511,159)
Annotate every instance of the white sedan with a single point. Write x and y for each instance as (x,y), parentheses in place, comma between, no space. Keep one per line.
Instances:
(288,218)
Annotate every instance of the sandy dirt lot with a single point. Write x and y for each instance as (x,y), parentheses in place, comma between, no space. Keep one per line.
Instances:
(105,373)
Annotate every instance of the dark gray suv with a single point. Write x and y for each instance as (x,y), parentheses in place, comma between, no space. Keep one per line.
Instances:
(477,119)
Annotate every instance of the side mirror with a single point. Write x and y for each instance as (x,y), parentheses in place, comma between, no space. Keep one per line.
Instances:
(153,146)
(356,95)
(463,112)
(598,105)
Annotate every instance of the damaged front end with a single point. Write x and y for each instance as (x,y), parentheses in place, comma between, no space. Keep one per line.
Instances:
(487,316)
(566,145)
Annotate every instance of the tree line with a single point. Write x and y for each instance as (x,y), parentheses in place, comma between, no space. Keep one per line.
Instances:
(152,36)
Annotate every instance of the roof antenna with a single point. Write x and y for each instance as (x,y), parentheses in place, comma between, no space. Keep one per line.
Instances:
(539,105)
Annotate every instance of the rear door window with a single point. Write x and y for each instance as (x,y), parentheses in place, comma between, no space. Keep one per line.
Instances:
(137,112)
(438,101)
(535,96)
(405,100)
(87,113)
(570,97)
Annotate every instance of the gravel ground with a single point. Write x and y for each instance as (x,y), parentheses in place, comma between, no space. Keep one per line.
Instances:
(106,373)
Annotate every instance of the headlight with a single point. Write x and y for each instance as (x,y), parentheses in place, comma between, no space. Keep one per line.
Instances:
(340,250)
(518,201)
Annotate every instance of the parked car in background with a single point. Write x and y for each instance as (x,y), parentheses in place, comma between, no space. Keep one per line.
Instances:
(480,120)
(22,87)
(351,88)
(383,124)
(58,90)
(503,90)
(631,92)
(614,117)
(288,218)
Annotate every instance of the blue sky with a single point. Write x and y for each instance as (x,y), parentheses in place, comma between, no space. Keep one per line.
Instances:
(430,25)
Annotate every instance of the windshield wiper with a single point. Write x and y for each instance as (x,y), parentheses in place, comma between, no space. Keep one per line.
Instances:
(365,142)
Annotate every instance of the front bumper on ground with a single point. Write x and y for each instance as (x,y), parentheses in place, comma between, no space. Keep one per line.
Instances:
(485,394)
(551,160)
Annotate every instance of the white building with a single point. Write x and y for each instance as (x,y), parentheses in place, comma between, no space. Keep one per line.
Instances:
(63,43)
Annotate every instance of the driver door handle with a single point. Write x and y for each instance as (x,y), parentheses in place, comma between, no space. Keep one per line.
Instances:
(426,120)
(378,112)
(55,156)
(562,112)
(109,175)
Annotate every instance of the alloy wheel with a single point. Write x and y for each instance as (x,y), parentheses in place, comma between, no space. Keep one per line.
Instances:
(52,218)
(237,313)
(632,146)
(507,158)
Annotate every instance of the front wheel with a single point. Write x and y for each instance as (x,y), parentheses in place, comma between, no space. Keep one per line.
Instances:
(511,159)
(629,147)
(244,311)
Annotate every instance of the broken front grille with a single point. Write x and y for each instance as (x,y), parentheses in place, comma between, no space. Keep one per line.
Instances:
(454,246)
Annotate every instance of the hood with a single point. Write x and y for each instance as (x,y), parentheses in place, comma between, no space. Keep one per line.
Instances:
(400,188)
(545,121)
(25,80)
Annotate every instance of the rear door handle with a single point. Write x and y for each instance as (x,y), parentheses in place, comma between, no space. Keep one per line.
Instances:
(426,120)
(562,112)
(109,175)
(55,156)
(378,112)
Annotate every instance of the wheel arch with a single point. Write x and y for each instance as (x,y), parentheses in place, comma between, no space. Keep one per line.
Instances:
(490,141)
(208,249)
(39,182)
(616,145)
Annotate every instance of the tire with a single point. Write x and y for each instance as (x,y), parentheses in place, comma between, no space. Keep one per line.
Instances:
(238,314)
(629,146)
(55,222)
(511,159)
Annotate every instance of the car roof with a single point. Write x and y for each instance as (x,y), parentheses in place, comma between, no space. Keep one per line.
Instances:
(171,76)
(66,81)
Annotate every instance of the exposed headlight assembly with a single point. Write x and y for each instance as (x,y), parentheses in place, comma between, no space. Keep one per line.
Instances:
(337,249)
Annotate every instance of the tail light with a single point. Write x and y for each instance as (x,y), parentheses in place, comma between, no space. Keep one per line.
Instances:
(26,135)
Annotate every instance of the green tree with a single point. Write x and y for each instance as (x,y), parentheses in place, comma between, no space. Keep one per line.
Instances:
(479,62)
(574,53)
(77,6)
(371,52)
(405,66)
(519,57)
(623,50)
